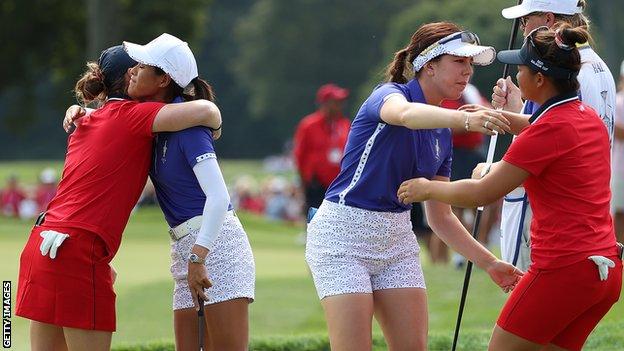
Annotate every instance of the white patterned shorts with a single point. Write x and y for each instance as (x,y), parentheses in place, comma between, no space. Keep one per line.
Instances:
(351,250)
(230,265)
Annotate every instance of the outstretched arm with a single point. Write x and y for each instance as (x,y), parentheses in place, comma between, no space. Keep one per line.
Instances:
(448,227)
(503,178)
(398,111)
(517,121)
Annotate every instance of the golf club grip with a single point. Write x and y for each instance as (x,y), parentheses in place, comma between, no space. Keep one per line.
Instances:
(502,143)
(200,322)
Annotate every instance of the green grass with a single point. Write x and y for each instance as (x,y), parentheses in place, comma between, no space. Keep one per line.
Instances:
(286,304)
(28,171)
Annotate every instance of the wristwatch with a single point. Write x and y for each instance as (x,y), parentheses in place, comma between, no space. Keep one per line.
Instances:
(194,258)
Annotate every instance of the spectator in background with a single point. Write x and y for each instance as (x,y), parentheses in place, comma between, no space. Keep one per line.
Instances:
(617,176)
(245,196)
(11,197)
(319,141)
(46,188)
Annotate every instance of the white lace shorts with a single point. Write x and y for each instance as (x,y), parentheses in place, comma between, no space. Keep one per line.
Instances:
(230,265)
(351,250)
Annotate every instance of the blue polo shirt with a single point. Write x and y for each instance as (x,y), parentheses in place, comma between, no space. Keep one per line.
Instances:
(530,107)
(378,156)
(175,154)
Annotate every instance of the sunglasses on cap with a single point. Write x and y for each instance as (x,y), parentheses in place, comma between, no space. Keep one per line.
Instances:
(465,36)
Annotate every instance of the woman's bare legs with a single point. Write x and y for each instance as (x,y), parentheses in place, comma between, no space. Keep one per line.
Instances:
(349,320)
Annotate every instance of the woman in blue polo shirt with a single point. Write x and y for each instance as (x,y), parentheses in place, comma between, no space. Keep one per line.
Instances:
(209,248)
(361,251)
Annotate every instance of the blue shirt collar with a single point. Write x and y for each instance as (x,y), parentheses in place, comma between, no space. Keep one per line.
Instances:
(415,91)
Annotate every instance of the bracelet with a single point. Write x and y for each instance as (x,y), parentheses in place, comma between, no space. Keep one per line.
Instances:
(466,122)
(215,129)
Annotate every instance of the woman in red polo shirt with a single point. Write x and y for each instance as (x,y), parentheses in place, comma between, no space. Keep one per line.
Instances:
(68,295)
(563,159)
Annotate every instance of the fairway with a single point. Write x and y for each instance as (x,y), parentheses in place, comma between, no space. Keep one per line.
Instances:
(286,302)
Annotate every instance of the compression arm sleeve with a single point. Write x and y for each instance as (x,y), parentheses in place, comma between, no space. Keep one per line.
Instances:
(211,181)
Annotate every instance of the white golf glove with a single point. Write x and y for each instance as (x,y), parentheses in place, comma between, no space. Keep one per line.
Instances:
(603,264)
(51,242)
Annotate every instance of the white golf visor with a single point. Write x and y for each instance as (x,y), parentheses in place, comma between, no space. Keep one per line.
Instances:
(463,44)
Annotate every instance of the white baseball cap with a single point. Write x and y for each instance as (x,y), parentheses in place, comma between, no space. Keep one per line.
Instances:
(168,53)
(561,7)
(463,44)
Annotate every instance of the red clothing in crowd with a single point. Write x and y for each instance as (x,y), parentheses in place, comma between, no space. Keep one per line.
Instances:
(567,153)
(10,200)
(318,147)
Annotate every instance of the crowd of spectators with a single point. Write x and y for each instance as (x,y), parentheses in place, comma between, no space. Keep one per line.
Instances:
(22,201)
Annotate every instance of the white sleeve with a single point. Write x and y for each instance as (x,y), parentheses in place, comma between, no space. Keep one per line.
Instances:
(211,181)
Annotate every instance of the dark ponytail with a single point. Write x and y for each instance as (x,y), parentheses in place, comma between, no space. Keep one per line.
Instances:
(396,69)
(198,89)
(572,36)
(559,47)
(201,90)
(399,70)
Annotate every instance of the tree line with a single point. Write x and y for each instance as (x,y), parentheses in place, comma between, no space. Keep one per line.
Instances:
(265,58)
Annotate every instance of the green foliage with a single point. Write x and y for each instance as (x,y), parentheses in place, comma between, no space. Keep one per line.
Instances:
(265,58)
(492,30)
(289,48)
(44,52)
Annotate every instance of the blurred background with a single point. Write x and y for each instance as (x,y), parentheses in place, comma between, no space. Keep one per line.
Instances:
(265,58)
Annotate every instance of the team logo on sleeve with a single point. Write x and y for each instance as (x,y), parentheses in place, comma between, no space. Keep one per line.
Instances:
(163,159)
(437,149)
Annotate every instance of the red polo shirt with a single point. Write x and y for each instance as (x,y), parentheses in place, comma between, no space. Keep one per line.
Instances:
(108,157)
(319,145)
(567,153)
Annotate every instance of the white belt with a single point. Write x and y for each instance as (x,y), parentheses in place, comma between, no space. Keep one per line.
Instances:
(185,228)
